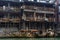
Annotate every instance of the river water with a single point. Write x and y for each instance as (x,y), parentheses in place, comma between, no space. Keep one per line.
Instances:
(29,38)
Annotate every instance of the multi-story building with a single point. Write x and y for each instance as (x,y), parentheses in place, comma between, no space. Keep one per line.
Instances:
(10,17)
(27,18)
(58,27)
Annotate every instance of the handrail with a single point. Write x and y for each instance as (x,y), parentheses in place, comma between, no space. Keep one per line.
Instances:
(15,9)
(38,8)
(40,19)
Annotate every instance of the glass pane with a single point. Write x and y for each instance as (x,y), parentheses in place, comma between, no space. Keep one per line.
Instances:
(59,18)
(59,8)
(30,0)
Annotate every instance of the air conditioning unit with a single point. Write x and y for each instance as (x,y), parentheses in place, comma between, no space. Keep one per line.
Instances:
(30,0)
(43,1)
(46,19)
(21,0)
(46,1)
(51,1)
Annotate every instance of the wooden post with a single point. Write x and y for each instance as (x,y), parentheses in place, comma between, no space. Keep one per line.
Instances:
(35,16)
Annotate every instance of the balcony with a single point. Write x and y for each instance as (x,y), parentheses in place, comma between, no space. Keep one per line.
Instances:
(45,10)
(1,20)
(4,19)
(51,19)
(30,16)
(27,7)
(13,9)
(41,19)
(29,10)
(15,20)
(1,8)
(29,19)
(33,19)
(39,9)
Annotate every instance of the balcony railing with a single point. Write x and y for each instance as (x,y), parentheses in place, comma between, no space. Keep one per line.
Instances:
(1,8)
(27,7)
(29,10)
(30,18)
(1,20)
(13,9)
(33,19)
(38,9)
(51,19)
(45,9)
(47,12)
(15,20)
(4,19)
(39,19)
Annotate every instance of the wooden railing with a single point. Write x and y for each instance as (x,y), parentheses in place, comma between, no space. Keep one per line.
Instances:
(15,9)
(1,8)
(51,19)
(30,18)
(28,7)
(5,19)
(42,9)
(27,19)
(16,20)
(40,19)
(45,9)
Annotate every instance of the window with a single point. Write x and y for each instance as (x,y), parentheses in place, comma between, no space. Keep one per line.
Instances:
(59,1)
(30,0)
(4,7)
(45,1)
(59,17)
(20,0)
(59,8)
(41,1)
(52,1)
(10,0)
